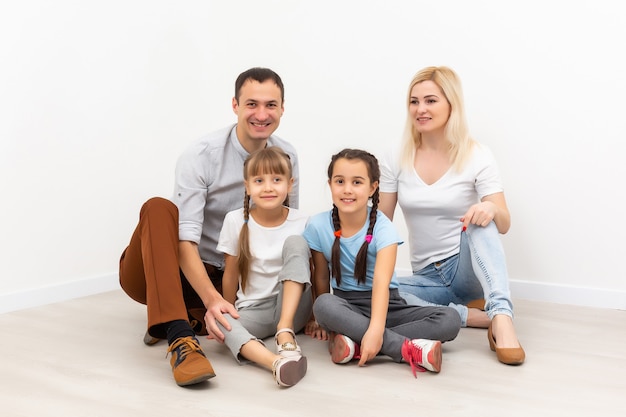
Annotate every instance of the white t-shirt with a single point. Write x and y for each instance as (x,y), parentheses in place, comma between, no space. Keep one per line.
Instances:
(209,184)
(266,247)
(433,212)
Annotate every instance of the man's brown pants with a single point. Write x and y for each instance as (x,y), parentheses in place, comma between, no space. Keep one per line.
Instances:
(150,272)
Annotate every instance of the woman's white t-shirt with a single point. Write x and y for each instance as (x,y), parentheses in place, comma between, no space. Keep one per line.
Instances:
(433,212)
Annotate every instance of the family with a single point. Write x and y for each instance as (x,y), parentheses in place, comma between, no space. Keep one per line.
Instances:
(231,257)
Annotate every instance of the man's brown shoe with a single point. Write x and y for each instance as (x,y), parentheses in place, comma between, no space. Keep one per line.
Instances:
(189,364)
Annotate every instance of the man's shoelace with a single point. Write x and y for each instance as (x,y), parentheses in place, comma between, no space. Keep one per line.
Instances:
(185,346)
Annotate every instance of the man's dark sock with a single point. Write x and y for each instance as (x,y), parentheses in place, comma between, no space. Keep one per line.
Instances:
(177,329)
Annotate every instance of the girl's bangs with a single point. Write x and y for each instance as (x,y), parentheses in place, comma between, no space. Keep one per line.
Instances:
(269,164)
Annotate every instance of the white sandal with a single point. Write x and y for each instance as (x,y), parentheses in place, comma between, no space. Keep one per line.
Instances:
(288,349)
(288,371)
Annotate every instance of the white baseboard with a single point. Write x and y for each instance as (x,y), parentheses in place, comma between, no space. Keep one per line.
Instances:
(568,294)
(528,290)
(56,293)
(562,294)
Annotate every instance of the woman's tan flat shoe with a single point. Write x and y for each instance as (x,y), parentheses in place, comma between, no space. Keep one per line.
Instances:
(479,304)
(508,356)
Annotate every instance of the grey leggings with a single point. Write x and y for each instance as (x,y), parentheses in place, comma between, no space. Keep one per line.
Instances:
(349,312)
(259,321)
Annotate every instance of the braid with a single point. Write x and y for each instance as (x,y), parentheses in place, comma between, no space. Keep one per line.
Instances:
(360,264)
(267,160)
(335,262)
(243,260)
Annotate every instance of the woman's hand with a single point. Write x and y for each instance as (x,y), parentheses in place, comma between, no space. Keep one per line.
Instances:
(492,207)
(480,214)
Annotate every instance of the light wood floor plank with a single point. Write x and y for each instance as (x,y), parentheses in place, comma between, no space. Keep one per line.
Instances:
(85,357)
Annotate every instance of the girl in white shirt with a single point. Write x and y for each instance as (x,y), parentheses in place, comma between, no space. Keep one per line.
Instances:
(267,269)
(449,190)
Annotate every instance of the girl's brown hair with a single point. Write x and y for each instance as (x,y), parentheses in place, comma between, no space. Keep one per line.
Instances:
(360,265)
(271,160)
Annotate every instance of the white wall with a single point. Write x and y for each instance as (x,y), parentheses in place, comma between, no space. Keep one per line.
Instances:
(98,98)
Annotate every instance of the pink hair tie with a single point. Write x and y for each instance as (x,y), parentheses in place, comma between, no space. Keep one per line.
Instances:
(368,238)
(338,233)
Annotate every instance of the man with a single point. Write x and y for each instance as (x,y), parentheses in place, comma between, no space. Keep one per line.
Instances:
(171,263)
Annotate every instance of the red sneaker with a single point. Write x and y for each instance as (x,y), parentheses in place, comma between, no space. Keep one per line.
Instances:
(422,355)
(342,349)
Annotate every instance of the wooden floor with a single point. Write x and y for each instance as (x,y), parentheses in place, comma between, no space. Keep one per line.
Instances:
(85,357)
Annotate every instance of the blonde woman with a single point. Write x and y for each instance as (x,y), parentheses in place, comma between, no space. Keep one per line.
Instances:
(451,195)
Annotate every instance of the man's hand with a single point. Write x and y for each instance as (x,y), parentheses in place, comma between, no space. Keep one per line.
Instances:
(215,313)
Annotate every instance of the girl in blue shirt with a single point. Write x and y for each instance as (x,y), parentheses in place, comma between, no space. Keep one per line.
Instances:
(354,249)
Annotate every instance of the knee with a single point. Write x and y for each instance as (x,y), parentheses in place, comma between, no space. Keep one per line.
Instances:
(295,245)
(322,304)
(490,230)
(158,205)
(231,321)
(450,323)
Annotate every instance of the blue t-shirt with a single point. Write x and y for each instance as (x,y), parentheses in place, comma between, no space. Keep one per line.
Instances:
(319,234)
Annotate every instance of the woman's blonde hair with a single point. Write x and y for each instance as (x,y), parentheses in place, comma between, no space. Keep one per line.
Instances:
(271,160)
(456,131)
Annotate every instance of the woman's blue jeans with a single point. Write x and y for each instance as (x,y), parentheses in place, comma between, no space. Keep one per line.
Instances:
(477,271)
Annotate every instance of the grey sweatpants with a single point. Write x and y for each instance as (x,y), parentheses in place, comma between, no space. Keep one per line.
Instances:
(349,312)
(259,321)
